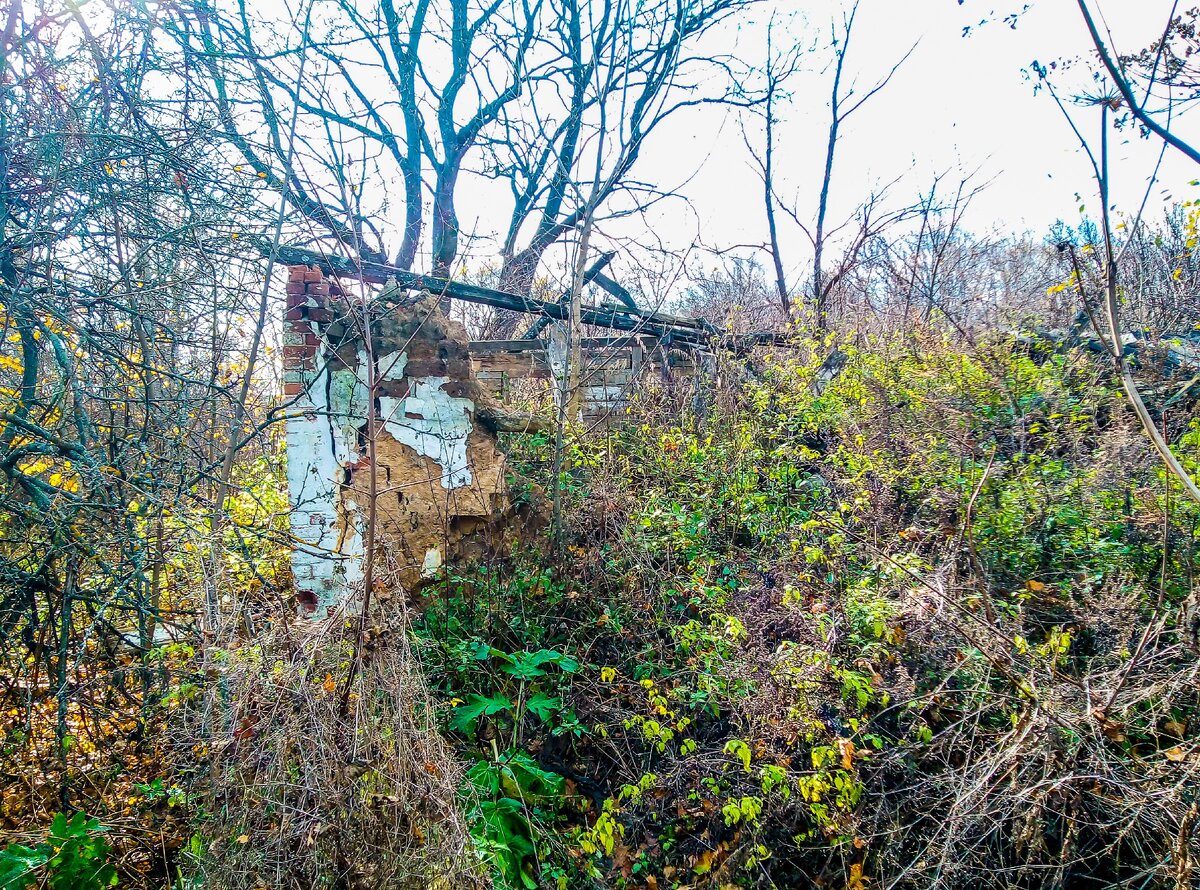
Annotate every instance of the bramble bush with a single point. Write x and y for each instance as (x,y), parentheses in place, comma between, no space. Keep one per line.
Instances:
(924,625)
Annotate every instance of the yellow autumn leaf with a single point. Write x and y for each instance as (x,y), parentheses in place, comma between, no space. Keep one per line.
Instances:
(704,862)
(855,880)
(1176,755)
(846,750)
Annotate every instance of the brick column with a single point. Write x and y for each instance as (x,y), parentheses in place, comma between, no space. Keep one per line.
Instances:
(321,559)
(307,309)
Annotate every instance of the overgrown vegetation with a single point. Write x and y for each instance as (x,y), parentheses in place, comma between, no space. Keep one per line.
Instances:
(926,627)
(899,594)
(933,625)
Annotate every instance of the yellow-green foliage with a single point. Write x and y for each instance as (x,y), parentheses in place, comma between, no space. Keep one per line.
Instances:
(789,605)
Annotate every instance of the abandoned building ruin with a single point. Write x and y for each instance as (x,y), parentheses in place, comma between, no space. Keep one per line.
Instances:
(442,483)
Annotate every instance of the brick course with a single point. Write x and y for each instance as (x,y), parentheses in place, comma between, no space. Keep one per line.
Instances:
(308,298)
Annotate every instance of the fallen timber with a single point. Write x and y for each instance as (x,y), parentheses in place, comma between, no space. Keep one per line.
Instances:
(671,330)
(595,274)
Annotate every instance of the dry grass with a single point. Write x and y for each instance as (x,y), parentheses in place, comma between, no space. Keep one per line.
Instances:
(301,796)
(1064,793)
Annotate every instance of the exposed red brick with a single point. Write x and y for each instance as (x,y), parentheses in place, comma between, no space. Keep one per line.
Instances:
(320,315)
(293,389)
(425,368)
(294,313)
(318,289)
(295,287)
(394,388)
(296,273)
(313,275)
(298,351)
(311,339)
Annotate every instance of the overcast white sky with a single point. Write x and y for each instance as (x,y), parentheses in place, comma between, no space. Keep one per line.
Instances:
(959,103)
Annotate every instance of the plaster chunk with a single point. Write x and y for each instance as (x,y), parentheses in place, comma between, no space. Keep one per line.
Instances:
(433,562)
(440,479)
(328,547)
(434,424)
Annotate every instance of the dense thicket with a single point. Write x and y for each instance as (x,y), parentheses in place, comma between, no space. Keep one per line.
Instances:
(908,603)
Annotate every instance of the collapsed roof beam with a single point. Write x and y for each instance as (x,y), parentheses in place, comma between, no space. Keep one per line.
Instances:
(593,273)
(614,289)
(671,329)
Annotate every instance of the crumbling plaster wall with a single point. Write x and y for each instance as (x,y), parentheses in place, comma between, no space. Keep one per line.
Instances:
(441,489)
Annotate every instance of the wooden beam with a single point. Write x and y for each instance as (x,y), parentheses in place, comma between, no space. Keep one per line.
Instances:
(611,287)
(592,273)
(492,347)
(680,331)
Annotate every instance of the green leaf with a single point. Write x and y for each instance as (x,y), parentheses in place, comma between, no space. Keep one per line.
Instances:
(73,857)
(18,866)
(740,750)
(543,706)
(483,651)
(523,778)
(528,665)
(477,706)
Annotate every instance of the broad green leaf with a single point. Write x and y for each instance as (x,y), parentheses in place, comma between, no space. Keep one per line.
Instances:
(543,706)
(477,706)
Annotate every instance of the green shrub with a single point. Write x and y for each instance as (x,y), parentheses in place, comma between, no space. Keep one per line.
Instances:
(74,856)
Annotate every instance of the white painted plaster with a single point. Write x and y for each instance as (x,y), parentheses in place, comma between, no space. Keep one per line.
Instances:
(322,439)
(392,365)
(432,423)
(558,358)
(433,562)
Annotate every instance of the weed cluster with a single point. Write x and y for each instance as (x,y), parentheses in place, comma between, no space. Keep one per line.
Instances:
(925,626)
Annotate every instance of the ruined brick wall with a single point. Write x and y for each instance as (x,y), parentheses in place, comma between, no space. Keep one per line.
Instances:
(442,493)
(327,538)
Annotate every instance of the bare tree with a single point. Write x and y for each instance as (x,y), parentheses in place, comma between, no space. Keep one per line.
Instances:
(871,218)
(780,67)
(735,296)
(623,70)
(555,97)
(123,374)
(1162,64)
(228,86)
(842,104)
